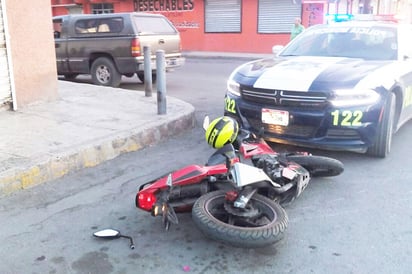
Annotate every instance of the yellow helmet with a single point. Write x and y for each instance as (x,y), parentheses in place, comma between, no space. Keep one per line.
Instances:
(221,131)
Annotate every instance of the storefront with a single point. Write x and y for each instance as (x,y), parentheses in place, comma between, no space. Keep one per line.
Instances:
(210,25)
(233,25)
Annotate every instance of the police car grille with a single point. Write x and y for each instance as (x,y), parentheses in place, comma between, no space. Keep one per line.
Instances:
(312,100)
(348,134)
(291,130)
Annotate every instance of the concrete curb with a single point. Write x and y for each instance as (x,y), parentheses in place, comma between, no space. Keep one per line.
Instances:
(91,155)
(49,164)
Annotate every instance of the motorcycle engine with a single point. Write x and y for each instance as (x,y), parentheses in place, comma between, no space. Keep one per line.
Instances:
(271,165)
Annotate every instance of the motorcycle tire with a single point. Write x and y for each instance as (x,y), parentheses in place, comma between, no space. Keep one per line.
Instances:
(210,216)
(318,166)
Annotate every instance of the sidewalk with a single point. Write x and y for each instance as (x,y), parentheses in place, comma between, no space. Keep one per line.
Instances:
(227,55)
(86,126)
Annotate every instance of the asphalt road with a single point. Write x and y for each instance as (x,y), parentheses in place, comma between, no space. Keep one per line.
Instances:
(358,222)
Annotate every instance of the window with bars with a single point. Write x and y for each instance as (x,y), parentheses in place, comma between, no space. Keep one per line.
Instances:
(223,15)
(102,8)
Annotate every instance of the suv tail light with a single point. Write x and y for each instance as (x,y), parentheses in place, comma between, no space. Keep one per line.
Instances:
(135,48)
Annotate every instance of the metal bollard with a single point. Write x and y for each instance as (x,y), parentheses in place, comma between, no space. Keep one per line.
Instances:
(161,81)
(148,86)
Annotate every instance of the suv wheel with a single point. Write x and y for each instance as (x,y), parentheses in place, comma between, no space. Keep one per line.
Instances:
(104,73)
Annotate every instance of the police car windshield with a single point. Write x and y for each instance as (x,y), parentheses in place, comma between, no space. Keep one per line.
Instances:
(369,43)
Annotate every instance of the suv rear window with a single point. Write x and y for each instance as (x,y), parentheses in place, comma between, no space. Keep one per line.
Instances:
(153,25)
(107,25)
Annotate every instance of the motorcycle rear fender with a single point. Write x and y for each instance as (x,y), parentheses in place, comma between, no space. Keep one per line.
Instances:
(191,175)
(188,175)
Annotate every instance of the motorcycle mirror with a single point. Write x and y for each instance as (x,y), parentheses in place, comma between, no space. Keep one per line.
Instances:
(276,49)
(112,234)
(107,233)
(206,122)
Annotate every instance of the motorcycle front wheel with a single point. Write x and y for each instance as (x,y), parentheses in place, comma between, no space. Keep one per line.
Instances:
(318,166)
(261,224)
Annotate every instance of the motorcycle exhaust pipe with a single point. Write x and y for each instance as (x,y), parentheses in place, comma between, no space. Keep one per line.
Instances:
(195,190)
(283,189)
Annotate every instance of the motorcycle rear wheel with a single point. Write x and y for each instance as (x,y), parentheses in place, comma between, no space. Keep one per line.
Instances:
(318,166)
(215,222)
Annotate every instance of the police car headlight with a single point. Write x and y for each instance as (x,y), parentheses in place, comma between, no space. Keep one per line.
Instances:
(233,87)
(354,97)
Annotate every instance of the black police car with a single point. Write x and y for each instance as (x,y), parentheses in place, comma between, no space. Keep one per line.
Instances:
(342,86)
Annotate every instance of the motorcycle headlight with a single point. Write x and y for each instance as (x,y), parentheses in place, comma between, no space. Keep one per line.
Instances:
(354,97)
(233,87)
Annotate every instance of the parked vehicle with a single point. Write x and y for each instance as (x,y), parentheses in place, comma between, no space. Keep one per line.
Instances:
(108,46)
(340,86)
(231,199)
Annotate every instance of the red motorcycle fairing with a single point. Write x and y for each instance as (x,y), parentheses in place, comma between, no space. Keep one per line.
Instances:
(193,174)
(247,150)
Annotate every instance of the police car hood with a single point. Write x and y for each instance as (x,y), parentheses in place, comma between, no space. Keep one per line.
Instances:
(310,73)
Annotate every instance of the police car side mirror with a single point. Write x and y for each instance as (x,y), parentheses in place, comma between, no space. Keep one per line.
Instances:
(276,49)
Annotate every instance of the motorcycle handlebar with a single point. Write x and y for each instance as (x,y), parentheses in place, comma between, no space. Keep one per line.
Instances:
(245,135)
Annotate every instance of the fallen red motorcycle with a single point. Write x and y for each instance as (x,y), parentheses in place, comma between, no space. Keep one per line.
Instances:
(237,196)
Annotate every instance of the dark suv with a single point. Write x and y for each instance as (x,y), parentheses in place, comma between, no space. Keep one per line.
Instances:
(108,46)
